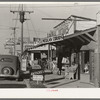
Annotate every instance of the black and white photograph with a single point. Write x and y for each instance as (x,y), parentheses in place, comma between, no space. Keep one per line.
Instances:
(50,45)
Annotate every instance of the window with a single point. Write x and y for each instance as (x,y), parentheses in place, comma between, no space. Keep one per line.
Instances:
(6,60)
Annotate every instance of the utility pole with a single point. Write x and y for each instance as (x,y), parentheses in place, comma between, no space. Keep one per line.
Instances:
(22,19)
(14,28)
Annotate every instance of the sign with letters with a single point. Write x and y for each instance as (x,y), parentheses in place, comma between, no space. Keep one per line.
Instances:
(38,77)
(51,39)
(37,74)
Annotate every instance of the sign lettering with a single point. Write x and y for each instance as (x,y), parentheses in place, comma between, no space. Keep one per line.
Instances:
(38,77)
(51,39)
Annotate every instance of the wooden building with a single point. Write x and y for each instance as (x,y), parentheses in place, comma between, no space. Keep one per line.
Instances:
(82,42)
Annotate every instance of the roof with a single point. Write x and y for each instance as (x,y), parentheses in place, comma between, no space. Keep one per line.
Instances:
(79,37)
(41,48)
(82,35)
(78,19)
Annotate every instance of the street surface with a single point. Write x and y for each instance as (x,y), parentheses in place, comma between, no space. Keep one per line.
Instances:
(11,83)
(51,81)
(58,81)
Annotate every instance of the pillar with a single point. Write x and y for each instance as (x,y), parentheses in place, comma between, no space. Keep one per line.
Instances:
(97,59)
(97,54)
(82,61)
(32,56)
(77,62)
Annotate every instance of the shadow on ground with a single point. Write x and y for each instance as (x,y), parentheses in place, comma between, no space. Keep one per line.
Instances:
(53,83)
(55,79)
(64,84)
(12,86)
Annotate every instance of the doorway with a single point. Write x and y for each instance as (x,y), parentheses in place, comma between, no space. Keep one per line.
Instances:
(85,66)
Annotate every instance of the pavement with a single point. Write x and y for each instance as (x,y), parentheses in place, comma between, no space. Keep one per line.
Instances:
(51,81)
(58,81)
(11,83)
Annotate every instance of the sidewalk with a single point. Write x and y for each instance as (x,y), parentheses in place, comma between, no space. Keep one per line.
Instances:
(58,81)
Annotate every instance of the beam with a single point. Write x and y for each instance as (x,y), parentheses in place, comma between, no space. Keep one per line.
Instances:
(71,41)
(80,39)
(80,33)
(90,36)
(85,38)
(62,19)
(83,18)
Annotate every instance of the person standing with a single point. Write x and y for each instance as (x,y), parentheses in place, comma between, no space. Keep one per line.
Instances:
(59,63)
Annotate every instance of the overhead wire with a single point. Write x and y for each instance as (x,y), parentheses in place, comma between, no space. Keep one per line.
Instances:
(27,24)
(32,25)
(45,14)
(17,17)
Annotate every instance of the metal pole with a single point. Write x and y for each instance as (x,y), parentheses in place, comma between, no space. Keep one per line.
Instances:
(22,34)
(22,13)
(21,38)
(48,52)
(49,56)
(14,42)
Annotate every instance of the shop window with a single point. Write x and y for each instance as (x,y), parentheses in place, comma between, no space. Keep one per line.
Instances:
(37,56)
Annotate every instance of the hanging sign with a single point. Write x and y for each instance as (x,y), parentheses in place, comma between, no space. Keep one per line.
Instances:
(51,39)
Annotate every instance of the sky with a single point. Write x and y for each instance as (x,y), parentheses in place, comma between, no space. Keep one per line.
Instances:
(35,26)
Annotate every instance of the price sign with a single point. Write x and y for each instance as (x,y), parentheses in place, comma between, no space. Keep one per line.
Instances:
(38,77)
(37,74)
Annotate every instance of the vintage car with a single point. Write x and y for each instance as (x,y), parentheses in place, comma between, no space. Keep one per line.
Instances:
(9,66)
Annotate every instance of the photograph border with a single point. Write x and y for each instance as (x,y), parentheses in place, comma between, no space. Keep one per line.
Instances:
(75,98)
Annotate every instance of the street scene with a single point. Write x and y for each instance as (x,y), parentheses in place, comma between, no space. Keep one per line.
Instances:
(50,45)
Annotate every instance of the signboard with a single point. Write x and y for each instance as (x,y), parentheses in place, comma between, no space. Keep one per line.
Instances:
(29,46)
(25,40)
(23,65)
(51,39)
(37,74)
(38,77)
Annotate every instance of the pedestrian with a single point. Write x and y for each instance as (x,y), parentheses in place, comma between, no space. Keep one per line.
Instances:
(59,64)
(66,71)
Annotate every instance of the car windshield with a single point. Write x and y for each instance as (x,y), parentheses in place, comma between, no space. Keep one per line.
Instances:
(6,60)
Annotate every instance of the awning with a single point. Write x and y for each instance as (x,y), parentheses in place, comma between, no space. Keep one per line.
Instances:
(80,37)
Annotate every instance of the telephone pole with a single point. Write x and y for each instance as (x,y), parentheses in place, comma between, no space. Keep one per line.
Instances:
(22,19)
(14,28)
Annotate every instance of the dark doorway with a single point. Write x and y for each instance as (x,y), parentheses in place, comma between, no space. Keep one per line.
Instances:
(37,56)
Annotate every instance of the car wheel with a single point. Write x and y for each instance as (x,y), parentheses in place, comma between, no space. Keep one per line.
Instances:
(7,71)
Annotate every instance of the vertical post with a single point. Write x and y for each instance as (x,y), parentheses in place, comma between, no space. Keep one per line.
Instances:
(82,61)
(78,65)
(97,58)
(51,52)
(48,52)
(48,56)
(21,38)
(14,42)
(74,21)
(97,54)
(22,32)
(22,19)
